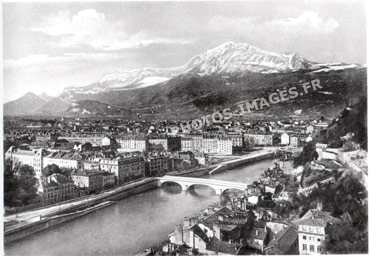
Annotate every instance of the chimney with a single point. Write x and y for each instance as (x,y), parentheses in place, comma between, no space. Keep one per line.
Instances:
(274,237)
(230,241)
(256,232)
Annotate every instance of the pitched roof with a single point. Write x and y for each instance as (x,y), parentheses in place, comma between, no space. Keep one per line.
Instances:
(283,241)
(223,247)
(200,233)
(316,218)
(56,179)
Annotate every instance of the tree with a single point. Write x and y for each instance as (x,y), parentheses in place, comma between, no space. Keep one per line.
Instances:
(308,154)
(50,169)
(27,184)
(10,185)
(66,171)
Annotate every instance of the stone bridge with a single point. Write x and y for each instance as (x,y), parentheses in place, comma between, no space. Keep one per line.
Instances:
(219,186)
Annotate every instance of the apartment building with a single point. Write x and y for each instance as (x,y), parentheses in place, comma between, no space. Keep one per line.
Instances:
(33,158)
(258,139)
(133,143)
(124,168)
(157,165)
(92,181)
(312,231)
(65,160)
(57,188)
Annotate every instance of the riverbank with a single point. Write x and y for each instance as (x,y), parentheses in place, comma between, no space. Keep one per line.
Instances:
(38,221)
(42,222)
(137,222)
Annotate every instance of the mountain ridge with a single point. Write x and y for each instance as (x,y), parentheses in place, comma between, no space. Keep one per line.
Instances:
(226,68)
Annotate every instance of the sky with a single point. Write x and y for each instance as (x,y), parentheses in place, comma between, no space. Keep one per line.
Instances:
(50,46)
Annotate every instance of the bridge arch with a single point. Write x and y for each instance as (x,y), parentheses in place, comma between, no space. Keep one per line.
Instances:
(191,186)
(172,182)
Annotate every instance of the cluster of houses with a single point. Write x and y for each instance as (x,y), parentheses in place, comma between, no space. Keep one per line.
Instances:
(239,229)
(96,171)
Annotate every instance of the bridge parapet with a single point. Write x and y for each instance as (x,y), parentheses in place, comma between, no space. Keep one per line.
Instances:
(218,185)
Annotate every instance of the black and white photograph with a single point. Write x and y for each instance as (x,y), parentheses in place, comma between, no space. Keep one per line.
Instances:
(137,128)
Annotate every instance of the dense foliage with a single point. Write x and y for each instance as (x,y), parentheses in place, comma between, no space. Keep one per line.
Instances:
(308,154)
(344,199)
(20,184)
(53,168)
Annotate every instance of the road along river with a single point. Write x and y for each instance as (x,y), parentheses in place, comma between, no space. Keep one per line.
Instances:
(133,223)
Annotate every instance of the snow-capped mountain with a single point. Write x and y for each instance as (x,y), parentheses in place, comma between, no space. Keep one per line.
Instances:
(226,59)
(233,57)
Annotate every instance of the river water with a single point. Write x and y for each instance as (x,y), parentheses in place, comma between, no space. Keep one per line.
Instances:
(133,223)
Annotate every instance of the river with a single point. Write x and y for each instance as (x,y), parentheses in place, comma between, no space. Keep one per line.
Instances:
(133,223)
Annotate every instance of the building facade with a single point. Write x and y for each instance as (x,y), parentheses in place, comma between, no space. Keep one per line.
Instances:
(57,188)
(312,231)
(33,158)
(125,169)
(133,143)
(90,181)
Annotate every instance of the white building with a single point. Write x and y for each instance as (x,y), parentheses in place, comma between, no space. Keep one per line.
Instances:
(33,158)
(209,145)
(133,143)
(284,139)
(187,144)
(225,146)
(64,160)
(258,139)
(312,231)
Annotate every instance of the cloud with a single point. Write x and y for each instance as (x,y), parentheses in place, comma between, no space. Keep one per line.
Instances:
(35,61)
(307,23)
(89,27)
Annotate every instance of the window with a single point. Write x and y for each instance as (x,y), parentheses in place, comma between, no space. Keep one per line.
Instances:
(304,247)
(304,237)
(319,249)
(312,248)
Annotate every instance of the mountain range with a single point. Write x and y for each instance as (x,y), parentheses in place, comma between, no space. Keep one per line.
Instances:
(220,77)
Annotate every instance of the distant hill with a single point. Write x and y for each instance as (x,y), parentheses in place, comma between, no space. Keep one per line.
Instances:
(27,104)
(45,97)
(55,105)
(90,107)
